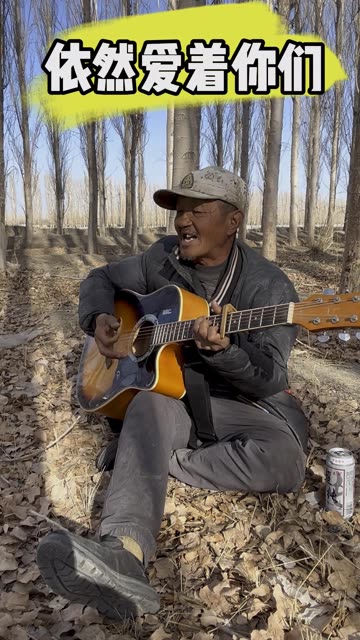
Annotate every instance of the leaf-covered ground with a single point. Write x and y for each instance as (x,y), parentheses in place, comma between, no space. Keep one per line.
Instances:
(228,565)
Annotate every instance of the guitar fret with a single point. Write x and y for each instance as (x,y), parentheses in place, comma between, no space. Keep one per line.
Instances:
(244,320)
(255,319)
(227,324)
(154,336)
(169,330)
(189,328)
(162,336)
(157,340)
(281,314)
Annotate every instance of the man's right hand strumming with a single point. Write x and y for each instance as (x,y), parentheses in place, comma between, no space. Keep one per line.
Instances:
(107,334)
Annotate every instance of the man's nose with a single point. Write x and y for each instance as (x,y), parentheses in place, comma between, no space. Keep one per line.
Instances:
(184,217)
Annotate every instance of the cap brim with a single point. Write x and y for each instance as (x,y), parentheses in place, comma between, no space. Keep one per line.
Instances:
(167,198)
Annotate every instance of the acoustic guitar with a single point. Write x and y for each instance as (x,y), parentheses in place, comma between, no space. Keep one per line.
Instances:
(153,328)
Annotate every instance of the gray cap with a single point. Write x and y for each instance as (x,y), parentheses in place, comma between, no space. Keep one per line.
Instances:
(211,183)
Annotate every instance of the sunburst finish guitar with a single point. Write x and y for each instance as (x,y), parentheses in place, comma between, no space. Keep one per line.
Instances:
(153,328)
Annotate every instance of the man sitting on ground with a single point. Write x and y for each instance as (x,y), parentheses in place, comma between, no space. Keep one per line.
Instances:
(242,432)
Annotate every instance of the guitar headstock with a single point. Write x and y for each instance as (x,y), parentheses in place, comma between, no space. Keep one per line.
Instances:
(325,311)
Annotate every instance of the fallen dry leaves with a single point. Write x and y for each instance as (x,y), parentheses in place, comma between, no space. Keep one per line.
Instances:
(227,565)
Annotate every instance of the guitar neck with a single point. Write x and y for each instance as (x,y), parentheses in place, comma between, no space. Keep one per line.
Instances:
(236,321)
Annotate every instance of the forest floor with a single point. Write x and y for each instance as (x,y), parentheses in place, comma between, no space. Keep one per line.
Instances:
(228,565)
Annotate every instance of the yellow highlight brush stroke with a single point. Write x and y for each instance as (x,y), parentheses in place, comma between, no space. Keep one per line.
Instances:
(231,22)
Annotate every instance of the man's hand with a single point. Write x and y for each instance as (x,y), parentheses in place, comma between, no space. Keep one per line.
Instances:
(207,335)
(106,334)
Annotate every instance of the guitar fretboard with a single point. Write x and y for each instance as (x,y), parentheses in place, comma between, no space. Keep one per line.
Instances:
(236,321)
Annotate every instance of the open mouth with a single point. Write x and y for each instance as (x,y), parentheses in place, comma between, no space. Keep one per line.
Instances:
(187,238)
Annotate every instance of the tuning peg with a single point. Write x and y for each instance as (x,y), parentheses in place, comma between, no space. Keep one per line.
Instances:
(357,335)
(329,292)
(323,337)
(344,336)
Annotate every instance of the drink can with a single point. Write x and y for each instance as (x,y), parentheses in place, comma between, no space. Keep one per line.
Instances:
(340,481)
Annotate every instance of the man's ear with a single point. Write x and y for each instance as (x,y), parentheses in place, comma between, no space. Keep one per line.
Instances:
(235,221)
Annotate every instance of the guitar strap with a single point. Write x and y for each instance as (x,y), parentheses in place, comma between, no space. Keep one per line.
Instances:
(196,384)
(198,394)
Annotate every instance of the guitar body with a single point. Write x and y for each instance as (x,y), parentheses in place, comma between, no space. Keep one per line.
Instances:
(107,386)
(152,328)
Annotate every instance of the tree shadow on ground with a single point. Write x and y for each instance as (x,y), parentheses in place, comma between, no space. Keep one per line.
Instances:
(31,399)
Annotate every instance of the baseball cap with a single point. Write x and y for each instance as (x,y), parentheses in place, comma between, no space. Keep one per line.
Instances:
(211,183)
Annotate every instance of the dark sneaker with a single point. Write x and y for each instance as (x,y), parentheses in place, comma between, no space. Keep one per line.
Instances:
(102,575)
(106,458)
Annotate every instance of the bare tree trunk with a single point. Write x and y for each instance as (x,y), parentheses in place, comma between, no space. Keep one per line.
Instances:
(3,237)
(170,162)
(169,146)
(237,139)
(186,149)
(271,190)
(133,154)
(93,186)
(128,133)
(195,118)
(59,180)
(295,143)
(312,183)
(270,201)
(101,137)
(314,149)
(244,163)
(337,112)
(350,275)
(172,6)
(45,15)
(219,135)
(267,125)
(20,50)
(90,130)
(186,133)
(295,134)
(141,182)
(127,160)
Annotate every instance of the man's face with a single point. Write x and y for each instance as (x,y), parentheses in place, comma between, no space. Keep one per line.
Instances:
(205,230)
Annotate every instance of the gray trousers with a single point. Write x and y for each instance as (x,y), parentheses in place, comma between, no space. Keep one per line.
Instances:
(256,452)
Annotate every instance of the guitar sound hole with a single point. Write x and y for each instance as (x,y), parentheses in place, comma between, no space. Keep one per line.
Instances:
(142,342)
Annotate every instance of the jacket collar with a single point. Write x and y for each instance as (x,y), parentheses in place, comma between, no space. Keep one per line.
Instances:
(233,264)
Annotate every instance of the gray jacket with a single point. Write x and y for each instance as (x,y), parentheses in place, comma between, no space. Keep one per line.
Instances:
(255,363)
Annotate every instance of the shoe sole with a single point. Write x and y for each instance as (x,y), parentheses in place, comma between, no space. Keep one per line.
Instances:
(75,574)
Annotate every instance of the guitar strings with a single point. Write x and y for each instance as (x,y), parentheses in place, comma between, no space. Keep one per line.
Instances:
(245,314)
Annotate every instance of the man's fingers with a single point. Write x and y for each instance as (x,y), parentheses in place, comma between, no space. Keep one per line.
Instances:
(114,324)
(216,307)
(108,340)
(213,334)
(203,328)
(197,324)
(108,353)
